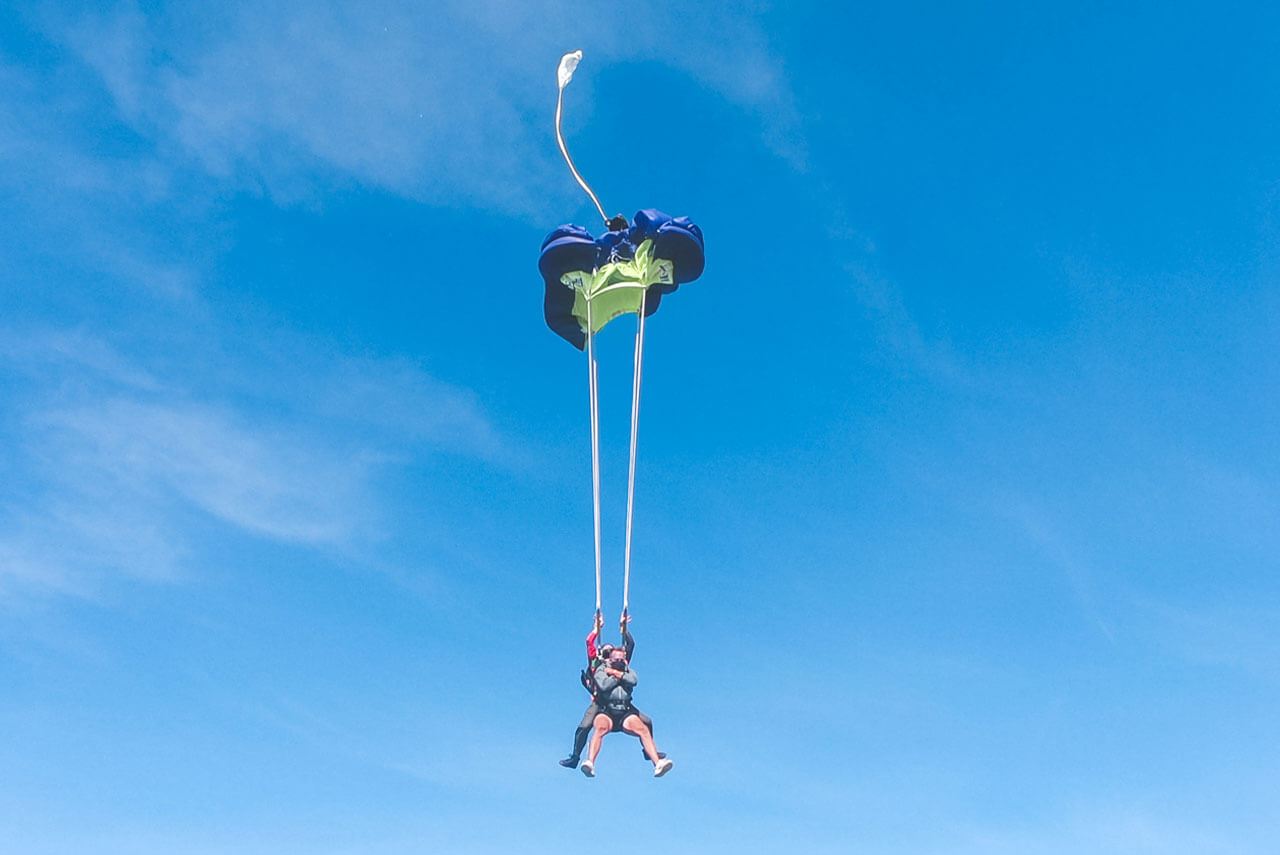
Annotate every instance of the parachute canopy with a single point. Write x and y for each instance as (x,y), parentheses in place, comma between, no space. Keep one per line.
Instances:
(616,273)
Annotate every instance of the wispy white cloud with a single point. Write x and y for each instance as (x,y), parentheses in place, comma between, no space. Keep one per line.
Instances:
(897,329)
(1050,538)
(727,47)
(64,350)
(392,398)
(447,105)
(78,536)
(119,466)
(260,480)
(399,398)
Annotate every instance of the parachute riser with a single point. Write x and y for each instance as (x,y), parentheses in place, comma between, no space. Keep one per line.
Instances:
(593,381)
(631,463)
(593,387)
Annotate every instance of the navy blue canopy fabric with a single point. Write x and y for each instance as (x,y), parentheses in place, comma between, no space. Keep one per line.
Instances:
(570,248)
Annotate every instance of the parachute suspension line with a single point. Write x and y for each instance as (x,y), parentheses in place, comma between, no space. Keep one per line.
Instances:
(593,385)
(631,464)
(567,64)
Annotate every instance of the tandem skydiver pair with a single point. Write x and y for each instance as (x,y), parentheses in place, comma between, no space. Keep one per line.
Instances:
(611,682)
(589,282)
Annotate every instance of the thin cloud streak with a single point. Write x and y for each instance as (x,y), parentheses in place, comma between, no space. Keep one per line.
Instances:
(254,479)
(447,108)
(120,466)
(899,331)
(1053,543)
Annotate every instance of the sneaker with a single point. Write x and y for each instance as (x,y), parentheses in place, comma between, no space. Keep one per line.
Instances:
(570,762)
(663,767)
(588,769)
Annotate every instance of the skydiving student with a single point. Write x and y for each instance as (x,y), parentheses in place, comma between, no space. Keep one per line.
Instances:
(615,681)
(595,658)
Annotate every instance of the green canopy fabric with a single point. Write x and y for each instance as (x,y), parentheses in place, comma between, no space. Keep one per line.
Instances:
(618,287)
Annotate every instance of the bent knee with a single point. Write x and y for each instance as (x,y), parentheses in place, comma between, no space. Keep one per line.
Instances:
(633,724)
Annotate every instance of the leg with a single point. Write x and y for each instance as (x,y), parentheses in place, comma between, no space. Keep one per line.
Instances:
(648,722)
(633,725)
(603,725)
(580,736)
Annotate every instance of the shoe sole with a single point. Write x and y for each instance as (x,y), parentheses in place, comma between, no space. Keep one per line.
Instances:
(664,769)
(589,771)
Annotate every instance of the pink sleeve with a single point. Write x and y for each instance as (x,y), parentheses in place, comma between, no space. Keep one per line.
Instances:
(591,645)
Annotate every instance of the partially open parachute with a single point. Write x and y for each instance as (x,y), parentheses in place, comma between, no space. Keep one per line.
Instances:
(590,281)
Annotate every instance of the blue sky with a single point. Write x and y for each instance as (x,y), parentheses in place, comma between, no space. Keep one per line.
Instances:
(956,505)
